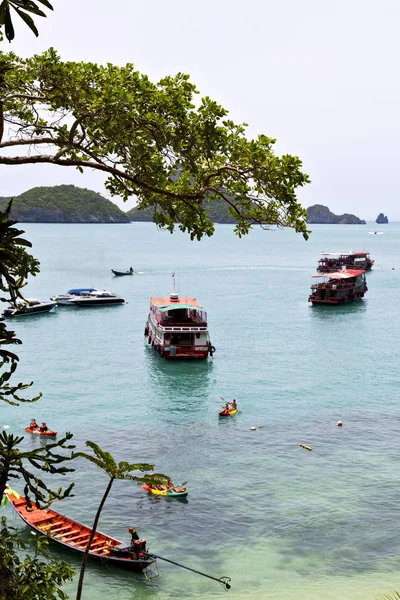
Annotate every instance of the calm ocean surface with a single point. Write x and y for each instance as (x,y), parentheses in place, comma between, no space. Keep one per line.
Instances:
(282,522)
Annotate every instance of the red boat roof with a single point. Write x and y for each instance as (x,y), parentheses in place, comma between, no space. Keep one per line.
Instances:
(181,300)
(337,254)
(341,274)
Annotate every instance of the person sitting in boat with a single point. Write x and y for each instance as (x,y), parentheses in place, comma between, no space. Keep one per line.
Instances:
(170,486)
(33,425)
(226,406)
(233,404)
(43,427)
(137,545)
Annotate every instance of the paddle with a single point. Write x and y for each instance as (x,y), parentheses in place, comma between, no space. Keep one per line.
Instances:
(223,400)
(224,581)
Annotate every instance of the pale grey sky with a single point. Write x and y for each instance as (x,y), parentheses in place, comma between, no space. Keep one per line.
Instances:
(322,78)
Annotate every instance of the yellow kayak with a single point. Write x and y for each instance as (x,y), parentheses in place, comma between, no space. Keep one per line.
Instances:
(164,492)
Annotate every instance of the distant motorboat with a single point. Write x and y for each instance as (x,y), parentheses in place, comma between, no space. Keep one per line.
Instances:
(375,232)
(121,273)
(28,306)
(97,298)
(64,299)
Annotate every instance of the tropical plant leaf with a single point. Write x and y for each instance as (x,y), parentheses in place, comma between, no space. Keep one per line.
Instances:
(28,20)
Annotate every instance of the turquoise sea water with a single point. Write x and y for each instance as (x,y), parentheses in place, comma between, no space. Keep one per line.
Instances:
(282,522)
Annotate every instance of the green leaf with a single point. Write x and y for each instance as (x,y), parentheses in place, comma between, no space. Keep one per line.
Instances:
(8,24)
(28,20)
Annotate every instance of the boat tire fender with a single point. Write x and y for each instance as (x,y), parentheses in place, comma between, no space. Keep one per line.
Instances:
(146,331)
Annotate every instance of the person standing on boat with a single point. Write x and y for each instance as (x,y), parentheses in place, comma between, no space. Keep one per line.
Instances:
(131,270)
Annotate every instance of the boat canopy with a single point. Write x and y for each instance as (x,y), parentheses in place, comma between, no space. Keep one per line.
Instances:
(179,306)
(344,254)
(346,274)
(80,290)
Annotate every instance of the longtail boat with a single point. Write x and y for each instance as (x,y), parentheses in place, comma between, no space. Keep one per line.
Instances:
(74,536)
(121,273)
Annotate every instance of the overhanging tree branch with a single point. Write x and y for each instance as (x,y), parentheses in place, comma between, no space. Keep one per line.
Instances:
(151,140)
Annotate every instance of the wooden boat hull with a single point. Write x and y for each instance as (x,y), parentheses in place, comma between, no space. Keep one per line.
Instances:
(165,492)
(227,413)
(74,536)
(121,273)
(35,432)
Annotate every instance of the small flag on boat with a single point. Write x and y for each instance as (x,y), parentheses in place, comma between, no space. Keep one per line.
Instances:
(173,274)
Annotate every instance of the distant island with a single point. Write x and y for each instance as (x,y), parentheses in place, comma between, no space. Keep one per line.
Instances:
(63,204)
(321,214)
(217,210)
(381,218)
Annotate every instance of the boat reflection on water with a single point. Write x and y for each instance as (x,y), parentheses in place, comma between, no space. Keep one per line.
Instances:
(342,312)
(179,387)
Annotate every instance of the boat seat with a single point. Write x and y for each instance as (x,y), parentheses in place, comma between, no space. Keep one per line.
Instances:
(40,516)
(97,543)
(63,528)
(78,535)
(98,550)
(54,524)
(19,502)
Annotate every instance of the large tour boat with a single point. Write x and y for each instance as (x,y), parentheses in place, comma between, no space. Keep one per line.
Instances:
(177,328)
(336,288)
(334,261)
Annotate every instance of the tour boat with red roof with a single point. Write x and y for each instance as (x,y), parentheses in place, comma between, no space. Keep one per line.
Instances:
(339,287)
(177,328)
(334,261)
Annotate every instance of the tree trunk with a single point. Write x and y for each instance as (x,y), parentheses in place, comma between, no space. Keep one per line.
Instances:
(85,555)
(3,479)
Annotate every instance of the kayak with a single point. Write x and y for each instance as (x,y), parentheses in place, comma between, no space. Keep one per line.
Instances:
(164,492)
(228,413)
(36,432)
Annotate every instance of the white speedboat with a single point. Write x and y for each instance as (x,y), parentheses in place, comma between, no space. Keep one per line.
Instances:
(97,298)
(64,299)
(31,306)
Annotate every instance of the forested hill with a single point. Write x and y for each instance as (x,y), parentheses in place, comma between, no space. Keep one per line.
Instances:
(63,204)
(217,210)
(321,214)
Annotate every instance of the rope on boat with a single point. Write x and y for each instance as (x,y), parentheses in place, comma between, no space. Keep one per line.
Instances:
(224,581)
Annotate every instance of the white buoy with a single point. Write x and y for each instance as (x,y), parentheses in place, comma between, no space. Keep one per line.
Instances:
(252,428)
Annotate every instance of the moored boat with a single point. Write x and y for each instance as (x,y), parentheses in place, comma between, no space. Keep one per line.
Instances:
(64,299)
(38,432)
(97,298)
(121,273)
(336,288)
(331,262)
(156,492)
(74,536)
(29,306)
(177,328)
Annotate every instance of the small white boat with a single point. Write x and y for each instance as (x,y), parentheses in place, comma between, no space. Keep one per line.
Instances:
(64,299)
(97,298)
(31,306)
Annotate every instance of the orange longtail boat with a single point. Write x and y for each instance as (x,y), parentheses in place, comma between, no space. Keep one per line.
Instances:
(74,536)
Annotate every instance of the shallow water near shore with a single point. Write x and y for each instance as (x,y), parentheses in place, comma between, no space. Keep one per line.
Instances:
(282,522)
